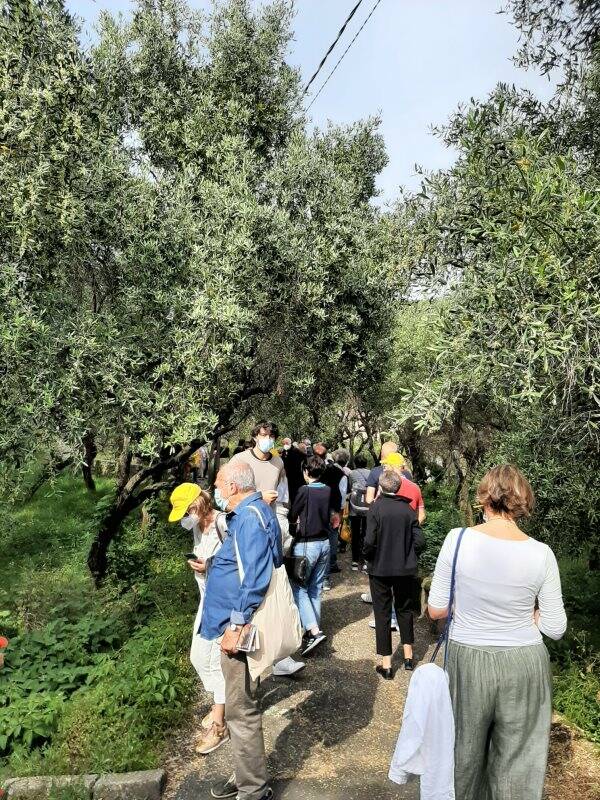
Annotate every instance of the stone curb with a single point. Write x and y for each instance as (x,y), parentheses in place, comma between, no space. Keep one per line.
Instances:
(146,785)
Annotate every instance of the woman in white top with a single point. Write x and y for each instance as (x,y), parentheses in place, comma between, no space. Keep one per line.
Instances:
(193,507)
(507,594)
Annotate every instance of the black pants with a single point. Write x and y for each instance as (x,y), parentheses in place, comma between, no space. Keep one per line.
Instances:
(402,590)
(358,526)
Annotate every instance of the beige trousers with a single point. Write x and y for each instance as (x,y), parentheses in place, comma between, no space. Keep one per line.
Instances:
(244,720)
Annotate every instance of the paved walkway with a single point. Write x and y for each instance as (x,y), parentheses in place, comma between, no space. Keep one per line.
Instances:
(331,731)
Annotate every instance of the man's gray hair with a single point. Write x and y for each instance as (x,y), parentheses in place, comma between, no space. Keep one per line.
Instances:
(240,474)
(390,481)
(341,456)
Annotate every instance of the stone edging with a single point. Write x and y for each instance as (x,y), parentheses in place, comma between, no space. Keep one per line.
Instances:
(146,785)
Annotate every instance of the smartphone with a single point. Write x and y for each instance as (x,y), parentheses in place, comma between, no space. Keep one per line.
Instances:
(191,557)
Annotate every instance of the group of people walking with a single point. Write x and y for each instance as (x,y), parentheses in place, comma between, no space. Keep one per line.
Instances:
(269,504)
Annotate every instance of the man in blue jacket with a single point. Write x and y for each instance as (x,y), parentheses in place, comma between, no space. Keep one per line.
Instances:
(230,603)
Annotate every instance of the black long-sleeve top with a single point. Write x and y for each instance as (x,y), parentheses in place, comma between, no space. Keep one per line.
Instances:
(311,510)
(393,538)
(332,475)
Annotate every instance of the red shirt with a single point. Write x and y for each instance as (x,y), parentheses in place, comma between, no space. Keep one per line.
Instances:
(412,493)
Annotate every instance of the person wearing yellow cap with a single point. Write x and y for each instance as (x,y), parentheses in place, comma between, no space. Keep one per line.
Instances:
(193,508)
(408,488)
(387,449)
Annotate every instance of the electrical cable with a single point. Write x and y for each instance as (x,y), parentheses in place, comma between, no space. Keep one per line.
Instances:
(341,58)
(328,53)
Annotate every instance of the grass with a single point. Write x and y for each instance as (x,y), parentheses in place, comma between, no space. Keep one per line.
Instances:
(93,678)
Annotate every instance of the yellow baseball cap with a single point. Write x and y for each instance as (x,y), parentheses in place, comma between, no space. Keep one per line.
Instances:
(180,499)
(394,460)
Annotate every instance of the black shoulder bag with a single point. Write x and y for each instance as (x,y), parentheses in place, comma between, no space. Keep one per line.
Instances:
(297,566)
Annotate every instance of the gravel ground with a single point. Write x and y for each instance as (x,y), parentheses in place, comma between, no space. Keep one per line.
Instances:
(331,731)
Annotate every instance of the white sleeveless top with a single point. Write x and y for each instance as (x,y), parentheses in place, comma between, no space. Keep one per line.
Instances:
(497,583)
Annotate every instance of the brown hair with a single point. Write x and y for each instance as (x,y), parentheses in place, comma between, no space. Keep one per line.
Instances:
(506,490)
(203,506)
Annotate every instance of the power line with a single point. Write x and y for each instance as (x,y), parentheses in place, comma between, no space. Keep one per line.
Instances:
(341,58)
(337,38)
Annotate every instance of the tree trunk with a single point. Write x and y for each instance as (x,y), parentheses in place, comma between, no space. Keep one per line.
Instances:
(410,442)
(461,495)
(132,491)
(214,463)
(90,452)
(50,470)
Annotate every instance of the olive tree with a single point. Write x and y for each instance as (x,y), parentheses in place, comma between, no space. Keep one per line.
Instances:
(194,250)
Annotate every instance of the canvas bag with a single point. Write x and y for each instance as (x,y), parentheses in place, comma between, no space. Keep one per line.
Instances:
(277,620)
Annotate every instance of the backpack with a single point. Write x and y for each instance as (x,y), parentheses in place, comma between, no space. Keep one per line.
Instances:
(358,502)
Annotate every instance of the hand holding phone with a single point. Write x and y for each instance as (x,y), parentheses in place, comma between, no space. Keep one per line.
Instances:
(197,564)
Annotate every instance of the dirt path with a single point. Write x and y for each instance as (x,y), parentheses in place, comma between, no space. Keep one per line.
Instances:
(331,731)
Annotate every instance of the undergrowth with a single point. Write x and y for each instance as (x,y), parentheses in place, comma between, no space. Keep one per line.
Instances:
(92,678)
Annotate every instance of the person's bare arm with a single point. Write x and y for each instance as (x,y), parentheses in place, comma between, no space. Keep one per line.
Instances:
(437,613)
(370,495)
(422,515)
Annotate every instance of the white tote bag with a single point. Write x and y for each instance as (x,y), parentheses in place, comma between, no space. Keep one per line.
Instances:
(277,620)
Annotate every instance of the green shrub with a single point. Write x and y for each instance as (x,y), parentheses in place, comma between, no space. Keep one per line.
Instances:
(577,697)
(93,678)
(442,516)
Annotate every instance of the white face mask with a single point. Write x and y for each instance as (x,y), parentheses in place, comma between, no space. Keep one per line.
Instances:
(265,443)
(287,446)
(485,517)
(190,522)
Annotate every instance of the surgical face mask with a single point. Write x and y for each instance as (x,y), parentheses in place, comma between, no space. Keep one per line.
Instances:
(190,522)
(265,443)
(287,446)
(220,501)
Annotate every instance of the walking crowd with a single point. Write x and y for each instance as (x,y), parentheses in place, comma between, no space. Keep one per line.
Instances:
(265,548)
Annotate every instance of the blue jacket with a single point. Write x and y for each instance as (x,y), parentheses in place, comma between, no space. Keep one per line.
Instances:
(255,528)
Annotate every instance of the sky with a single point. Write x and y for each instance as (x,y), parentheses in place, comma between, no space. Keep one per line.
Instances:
(413,64)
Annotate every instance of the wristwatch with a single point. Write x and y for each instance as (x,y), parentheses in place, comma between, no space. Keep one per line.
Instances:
(233,626)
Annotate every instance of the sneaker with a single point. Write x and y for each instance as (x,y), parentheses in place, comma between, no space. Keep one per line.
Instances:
(207,722)
(326,585)
(268,795)
(224,789)
(365,567)
(313,641)
(287,667)
(395,624)
(335,569)
(213,739)
(366,597)
(354,566)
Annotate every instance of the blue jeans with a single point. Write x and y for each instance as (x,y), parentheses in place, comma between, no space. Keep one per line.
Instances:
(308,598)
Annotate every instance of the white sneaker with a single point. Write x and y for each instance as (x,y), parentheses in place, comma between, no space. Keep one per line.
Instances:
(394,624)
(366,597)
(287,666)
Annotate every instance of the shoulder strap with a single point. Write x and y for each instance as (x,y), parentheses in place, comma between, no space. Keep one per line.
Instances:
(220,527)
(235,544)
(446,632)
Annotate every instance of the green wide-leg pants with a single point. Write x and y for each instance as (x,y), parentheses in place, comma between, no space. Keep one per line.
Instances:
(502,701)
